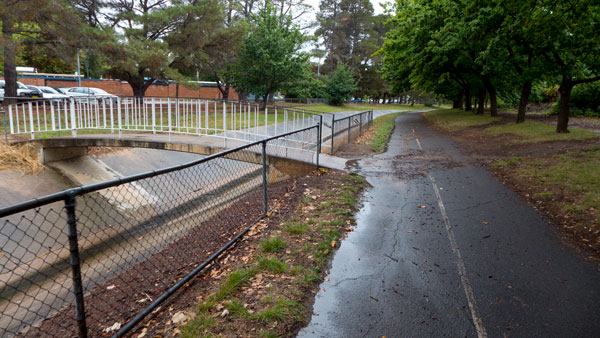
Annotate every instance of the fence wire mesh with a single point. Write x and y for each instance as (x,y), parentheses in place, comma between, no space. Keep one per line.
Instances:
(135,239)
(346,129)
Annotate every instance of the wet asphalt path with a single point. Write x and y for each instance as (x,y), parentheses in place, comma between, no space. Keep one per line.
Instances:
(443,249)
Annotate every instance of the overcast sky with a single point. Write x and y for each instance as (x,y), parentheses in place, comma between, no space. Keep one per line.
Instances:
(315,4)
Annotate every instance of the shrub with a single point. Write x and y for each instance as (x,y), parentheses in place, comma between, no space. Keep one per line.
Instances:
(340,85)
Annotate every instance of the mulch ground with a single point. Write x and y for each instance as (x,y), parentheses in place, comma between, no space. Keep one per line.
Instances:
(116,301)
(491,149)
(111,304)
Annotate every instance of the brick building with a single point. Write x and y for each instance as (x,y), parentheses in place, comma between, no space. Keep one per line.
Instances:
(207,90)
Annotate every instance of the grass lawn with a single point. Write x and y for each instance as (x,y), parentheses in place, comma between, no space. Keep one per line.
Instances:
(452,119)
(531,132)
(575,173)
(325,108)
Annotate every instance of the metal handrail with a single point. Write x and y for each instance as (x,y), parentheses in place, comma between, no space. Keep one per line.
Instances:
(62,195)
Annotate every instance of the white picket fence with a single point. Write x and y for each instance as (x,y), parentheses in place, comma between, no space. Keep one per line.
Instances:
(227,119)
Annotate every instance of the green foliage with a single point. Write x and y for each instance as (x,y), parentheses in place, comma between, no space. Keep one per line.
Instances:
(270,59)
(340,85)
(306,87)
(273,244)
(585,99)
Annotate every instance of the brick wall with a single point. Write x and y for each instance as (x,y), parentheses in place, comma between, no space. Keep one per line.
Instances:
(122,88)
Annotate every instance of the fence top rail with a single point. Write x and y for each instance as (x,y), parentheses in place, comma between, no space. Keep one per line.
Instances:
(70,193)
(351,116)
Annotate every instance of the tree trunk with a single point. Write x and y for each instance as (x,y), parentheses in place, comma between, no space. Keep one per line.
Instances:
(525,92)
(263,105)
(566,86)
(468,99)
(383,100)
(138,89)
(493,96)
(458,101)
(10,70)
(480,101)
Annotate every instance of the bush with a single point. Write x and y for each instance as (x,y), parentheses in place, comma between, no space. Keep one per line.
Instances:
(585,99)
(340,85)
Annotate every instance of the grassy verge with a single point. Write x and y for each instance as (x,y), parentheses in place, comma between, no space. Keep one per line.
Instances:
(452,119)
(270,294)
(379,134)
(575,174)
(531,131)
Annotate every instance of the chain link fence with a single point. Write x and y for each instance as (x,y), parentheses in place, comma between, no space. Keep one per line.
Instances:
(78,261)
(346,129)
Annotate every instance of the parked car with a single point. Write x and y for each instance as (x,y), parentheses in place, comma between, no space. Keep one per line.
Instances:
(23,93)
(61,90)
(90,93)
(48,93)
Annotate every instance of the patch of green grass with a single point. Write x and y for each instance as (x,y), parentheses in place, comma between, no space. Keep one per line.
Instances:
(531,132)
(203,320)
(382,128)
(272,265)
(356,178)
(193,328)
(510,161)
(268,334)
(234,281)
(577,172)
(296,228)
(456,119)
(236,309)
(273,244)
(284,310)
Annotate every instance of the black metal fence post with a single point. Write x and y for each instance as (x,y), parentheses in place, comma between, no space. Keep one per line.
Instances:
(264,175)
(75,261)
(360,125)
(319,137)
(349,128)
(332,131)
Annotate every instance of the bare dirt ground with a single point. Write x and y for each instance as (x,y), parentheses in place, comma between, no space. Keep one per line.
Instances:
(549,199)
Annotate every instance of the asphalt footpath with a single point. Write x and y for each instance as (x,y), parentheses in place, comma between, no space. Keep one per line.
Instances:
(443,249)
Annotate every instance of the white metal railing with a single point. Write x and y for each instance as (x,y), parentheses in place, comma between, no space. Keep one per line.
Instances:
(226,119)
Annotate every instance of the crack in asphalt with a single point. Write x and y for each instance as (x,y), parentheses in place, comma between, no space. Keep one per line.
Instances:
(351,279)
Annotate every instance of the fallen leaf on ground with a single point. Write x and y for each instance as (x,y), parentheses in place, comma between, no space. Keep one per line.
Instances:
(180,317)
(110,287)
(373,298)
(143,333)
(333,243)
(484,222)
(116,326)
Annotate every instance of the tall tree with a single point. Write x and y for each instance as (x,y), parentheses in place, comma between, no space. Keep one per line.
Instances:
(53,24)
(573,48)
(270,59)
(345,27)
